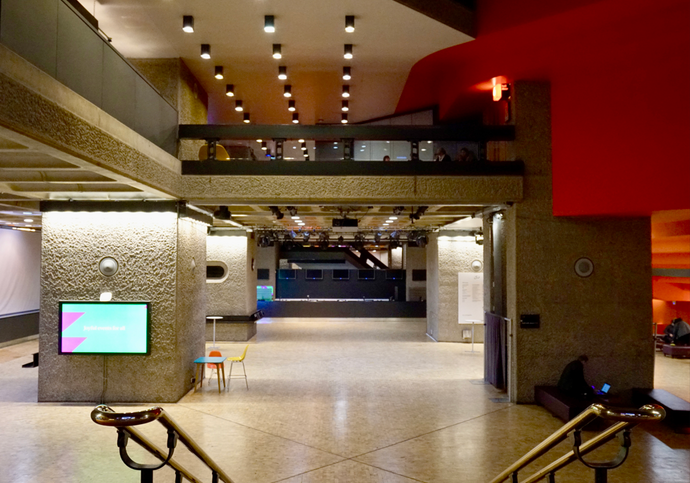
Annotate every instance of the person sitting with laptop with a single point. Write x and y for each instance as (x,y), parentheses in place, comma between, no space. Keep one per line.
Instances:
(572,381)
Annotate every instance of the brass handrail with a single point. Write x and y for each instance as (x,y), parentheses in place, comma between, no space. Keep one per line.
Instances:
(627,419)
(105,416)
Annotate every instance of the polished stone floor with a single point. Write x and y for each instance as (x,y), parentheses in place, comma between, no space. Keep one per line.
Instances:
(329,400)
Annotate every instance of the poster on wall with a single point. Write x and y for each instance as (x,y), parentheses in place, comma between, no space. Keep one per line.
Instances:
(470,297)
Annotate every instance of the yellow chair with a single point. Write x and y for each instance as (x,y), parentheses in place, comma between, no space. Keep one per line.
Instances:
(221,153)
(238,359)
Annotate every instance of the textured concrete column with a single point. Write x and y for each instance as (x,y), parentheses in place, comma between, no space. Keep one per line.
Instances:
(414,259)
(161,260)
(396,259)
(235,294)
(267,258)
(606,315)
(446,256)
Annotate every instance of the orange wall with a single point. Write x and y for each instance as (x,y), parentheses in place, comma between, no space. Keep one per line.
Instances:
(664,312)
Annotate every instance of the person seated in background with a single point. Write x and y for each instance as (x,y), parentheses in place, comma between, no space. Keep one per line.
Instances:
(572,381)
(466,156)
(386,158)
(442,156)
(680,332)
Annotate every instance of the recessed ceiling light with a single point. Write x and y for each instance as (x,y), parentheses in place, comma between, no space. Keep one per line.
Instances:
(300,140)
(392,217)
(259,140)
(277,51)
(269,24)
(205,51)
(28,220)
(295,217)
(188,23)
(349,23)
(219,72)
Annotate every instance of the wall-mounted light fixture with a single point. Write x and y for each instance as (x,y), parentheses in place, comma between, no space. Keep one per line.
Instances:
(287,90)
(349,23)
(188,24)
(230,90)
(295,118)
(291,106)
(269,24)
(205,51)
(346,106)
(277,51)
(238,106)
(219,72)
(346,91)
(343,118)
(347,73)
(282,72)
(246,118)
(501,92)
(348,51)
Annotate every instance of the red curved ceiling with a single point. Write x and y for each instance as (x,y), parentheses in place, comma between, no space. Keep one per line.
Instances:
(620,102)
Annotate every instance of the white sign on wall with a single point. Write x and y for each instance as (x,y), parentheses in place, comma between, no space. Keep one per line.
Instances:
(470,297)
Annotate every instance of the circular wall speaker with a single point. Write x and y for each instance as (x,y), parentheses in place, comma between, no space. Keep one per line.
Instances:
(477,265)
(108,266)
(584,267)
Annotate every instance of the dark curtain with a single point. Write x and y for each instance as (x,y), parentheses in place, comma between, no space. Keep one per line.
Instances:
(495,350)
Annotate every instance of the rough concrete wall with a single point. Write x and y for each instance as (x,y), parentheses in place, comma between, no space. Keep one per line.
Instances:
(145,245)
(607,315)
(191,279)
(453,254)
(231,295)
(267,258)
(395,257)
(250,275)
(177,84)
(415,259)
(432,282)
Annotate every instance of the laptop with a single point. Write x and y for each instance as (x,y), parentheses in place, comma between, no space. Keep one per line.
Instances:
(603,391)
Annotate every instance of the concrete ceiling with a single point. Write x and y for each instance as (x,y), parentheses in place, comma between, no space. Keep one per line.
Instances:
(388,40)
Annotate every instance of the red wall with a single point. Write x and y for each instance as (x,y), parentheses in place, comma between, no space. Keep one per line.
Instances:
(620,106)
(665,312)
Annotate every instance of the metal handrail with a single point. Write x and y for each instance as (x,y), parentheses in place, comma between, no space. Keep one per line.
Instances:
(105,416)
(627,419)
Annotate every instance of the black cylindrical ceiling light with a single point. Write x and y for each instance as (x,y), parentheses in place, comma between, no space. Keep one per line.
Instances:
(238,106)
(205,51)
(291,106)
(282,72)
(188,24)
(295,118)
(348,51)
(346,106)
(349,23)
(219,72)
(343,118)
(269,24)
(304,146)
(277,51)
(347,73)
(346,91)
(246,118)
(287,90)
(265,147)
(230,90)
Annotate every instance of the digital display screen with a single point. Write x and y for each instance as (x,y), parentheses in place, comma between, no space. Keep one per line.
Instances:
(104,328)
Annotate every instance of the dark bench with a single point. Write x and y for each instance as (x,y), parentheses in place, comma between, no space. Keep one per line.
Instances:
(676,351)
(563,406)
(677,409)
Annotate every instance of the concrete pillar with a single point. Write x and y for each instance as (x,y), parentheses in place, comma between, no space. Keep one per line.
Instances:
(414,259)
(396,259)
(162,260)
(235,293)
(267,258)
(447,255)
(606,315)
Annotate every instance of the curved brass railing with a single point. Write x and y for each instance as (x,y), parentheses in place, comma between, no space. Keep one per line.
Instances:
(627,419)
(124,423)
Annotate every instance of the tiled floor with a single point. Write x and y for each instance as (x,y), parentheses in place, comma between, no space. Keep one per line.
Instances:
(328,401)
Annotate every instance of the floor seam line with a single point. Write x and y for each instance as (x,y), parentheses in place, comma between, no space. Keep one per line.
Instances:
(264,432)
(429,432)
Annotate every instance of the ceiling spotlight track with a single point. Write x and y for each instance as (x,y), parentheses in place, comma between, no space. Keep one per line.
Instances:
(276,212)
(222,213)
(418,214)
